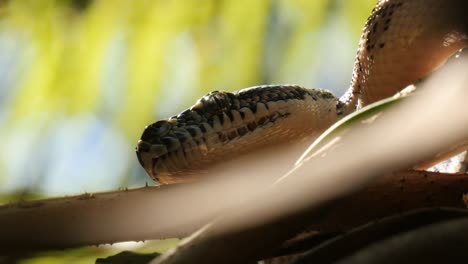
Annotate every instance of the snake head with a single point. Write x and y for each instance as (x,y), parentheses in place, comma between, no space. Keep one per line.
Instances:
(150,148)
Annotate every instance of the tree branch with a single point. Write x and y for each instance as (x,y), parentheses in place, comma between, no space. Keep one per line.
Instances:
(320,185)
(123,215)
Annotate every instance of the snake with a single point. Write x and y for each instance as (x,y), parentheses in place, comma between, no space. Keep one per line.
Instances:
(403,41)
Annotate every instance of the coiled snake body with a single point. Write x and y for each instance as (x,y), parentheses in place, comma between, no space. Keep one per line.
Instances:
(402,42)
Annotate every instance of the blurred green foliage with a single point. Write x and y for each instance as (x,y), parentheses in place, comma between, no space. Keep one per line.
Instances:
(89,254)
(79,79)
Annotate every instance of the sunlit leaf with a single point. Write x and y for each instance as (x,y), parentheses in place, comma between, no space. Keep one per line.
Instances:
(332,135)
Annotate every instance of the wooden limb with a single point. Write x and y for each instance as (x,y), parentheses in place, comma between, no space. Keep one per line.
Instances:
(92,219)
(371,233)
(403,191)
(302,243)
(320,185)
(443,242)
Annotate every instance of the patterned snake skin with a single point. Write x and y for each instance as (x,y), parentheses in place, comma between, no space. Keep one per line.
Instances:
(402,42)
(222,123)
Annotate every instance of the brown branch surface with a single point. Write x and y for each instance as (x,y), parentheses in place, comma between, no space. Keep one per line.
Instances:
(94,218)
(402,191)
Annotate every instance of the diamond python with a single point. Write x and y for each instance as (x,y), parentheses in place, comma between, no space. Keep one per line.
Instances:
(402,42)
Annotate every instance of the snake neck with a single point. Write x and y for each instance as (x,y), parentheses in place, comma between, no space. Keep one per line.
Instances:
(402,43)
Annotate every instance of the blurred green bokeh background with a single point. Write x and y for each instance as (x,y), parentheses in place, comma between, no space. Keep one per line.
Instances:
(79,80)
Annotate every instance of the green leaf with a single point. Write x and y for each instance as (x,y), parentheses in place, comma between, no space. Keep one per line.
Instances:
(331,136)
(128,257)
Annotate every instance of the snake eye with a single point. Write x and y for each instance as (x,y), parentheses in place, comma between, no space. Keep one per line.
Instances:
(155,149)
(158,150)
(152,149)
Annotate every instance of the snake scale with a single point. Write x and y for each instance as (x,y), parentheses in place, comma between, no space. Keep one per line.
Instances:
(402,42)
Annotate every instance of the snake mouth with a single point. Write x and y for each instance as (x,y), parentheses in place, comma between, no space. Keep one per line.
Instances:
(144,152)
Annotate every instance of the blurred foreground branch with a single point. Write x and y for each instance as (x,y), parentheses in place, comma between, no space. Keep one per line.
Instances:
(321,184)
(140,214)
